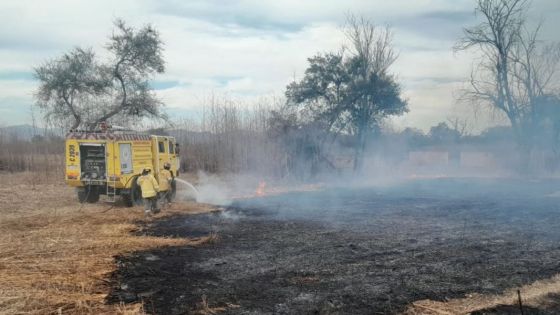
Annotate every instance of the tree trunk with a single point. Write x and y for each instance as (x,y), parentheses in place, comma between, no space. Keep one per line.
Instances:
(524,158)
(359,149)
(77,122)
(117,109)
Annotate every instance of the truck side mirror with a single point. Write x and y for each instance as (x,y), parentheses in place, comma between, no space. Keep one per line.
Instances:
(177,148)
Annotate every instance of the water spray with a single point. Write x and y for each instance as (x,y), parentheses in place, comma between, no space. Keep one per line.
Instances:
(189,185)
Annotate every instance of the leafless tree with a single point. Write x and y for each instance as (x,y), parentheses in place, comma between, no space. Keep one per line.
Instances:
(459,125)
(516,70)
(371,44)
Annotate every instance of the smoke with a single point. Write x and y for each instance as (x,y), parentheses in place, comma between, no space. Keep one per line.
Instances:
(212,190)
(277,144)
(222,190)
(261,163)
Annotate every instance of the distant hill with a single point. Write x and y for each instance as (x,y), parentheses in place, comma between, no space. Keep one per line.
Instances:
(26,131)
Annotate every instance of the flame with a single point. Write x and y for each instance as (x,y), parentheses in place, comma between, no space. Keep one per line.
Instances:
(261,189)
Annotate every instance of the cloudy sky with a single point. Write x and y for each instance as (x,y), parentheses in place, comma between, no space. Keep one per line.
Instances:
(248,49)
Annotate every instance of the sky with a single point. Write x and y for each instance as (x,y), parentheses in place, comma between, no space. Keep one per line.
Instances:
(251,49)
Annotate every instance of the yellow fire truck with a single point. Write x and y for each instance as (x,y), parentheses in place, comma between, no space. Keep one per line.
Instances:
(109,163)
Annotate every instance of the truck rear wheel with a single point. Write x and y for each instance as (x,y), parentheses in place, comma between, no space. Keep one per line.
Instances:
(126,200)
(134,195)
(89,194)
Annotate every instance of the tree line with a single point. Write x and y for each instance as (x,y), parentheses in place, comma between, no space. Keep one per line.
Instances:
(344,96)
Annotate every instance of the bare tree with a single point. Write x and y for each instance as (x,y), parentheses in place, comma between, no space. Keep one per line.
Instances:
(370,44)
(79,90)
(517,69)
(459,125)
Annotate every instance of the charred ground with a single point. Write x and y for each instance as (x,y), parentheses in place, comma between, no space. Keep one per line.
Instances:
(351,251)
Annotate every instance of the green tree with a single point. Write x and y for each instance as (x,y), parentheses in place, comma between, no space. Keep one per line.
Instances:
(352,91)
(77,90)
(443,134)
(323,92)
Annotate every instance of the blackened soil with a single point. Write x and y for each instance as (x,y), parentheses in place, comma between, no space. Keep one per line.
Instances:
(359,251)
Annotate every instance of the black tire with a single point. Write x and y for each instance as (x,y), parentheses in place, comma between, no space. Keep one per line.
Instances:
(81,192)
(127,200)
(89,194)
(134,195)
(93,195)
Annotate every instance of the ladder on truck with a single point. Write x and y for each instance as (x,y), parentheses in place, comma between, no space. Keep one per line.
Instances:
(112,182)
(111,190)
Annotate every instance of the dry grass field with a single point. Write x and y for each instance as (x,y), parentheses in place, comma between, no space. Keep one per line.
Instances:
(57,255)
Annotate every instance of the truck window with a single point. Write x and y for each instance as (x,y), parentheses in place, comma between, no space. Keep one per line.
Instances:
(161,146)
(171,149)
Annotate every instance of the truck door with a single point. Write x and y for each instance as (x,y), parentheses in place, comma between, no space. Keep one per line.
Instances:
(125,152)
(173,156)
(163,155)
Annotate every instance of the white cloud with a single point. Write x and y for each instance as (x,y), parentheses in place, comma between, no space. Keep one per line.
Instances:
(249,48)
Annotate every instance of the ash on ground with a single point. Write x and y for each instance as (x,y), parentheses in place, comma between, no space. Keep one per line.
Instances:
(352,251)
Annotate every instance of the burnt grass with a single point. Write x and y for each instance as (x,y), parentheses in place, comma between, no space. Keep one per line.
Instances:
(351,251)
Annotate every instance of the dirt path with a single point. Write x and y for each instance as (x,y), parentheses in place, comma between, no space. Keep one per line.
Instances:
(360,251)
